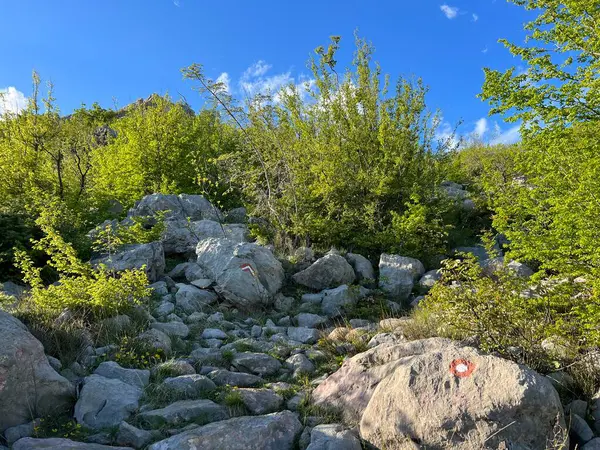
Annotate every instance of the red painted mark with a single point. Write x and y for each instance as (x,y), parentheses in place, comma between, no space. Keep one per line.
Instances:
(461,368)
(248,268)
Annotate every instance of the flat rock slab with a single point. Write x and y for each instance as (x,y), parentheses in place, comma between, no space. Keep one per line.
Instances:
(238,379)
(257,363)
(271,432)
(135,377)
(181,412)
(60,444)
(105,402)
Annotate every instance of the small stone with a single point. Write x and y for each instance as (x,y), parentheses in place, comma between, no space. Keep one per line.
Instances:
(299,364)
(130,435)
(134,377)
(239,379)
(177,329)
(313,298)
(13,434)
(164,308)
(256,331)
(256,363)
(190,384)
(581,429)
(310,320)
(303,334)
(202,283)
(213,333)
(333,437)
(261,401)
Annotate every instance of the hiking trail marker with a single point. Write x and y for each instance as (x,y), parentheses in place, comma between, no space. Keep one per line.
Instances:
(248,268)
(461,368)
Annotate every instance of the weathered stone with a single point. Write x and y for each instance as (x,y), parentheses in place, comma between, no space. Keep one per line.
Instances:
(257,363)
(333,437)
(156,339)
(135,256)
(271,432)
(28,384)
(327,272)
(135,377)
(207,356)
(385,339)
(299,364)
(310,320)
(160,288)
(105,402)
(213,333)
(239,379)
(13,434)
(182,237)
(336,300)
(164,309)
(260,401)
(246,274)
(177,329)
(175,207)
(443,395)
(429,279)
(29,443)
(397,275)
(303,334)
(191,299)
(190,384)
(200,411)
(365,274)
(130,435)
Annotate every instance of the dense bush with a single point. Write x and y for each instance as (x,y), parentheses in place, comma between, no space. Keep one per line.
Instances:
(347,160)
(87,292)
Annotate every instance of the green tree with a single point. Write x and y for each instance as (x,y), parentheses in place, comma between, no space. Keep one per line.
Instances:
(562,53)
(333,161)
(549,207)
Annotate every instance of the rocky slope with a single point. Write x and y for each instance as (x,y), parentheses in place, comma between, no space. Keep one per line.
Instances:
(245,366)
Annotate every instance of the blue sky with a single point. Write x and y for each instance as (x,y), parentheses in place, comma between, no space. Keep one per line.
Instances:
(121,50)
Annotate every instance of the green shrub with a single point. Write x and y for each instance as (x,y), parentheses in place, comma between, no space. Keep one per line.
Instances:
(504,312)
(88,292)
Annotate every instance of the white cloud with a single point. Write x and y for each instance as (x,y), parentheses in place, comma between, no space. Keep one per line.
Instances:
(176,3)
(481,127)
(509,136)
(12,100)
(257,69)
(475,17)
(484,51)
(450,11)
(225,81)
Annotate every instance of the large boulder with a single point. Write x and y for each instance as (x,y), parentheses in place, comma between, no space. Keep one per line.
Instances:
(246,274)
(135,256)
(363,268)
(276,431)
(397,275)
(184,411)
(106,402)
(181,236)
(192,299)
(327,272)
(445,396)
(29,386)
(175,207)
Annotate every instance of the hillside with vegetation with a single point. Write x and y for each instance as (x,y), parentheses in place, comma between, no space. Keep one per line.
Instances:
(310,268)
